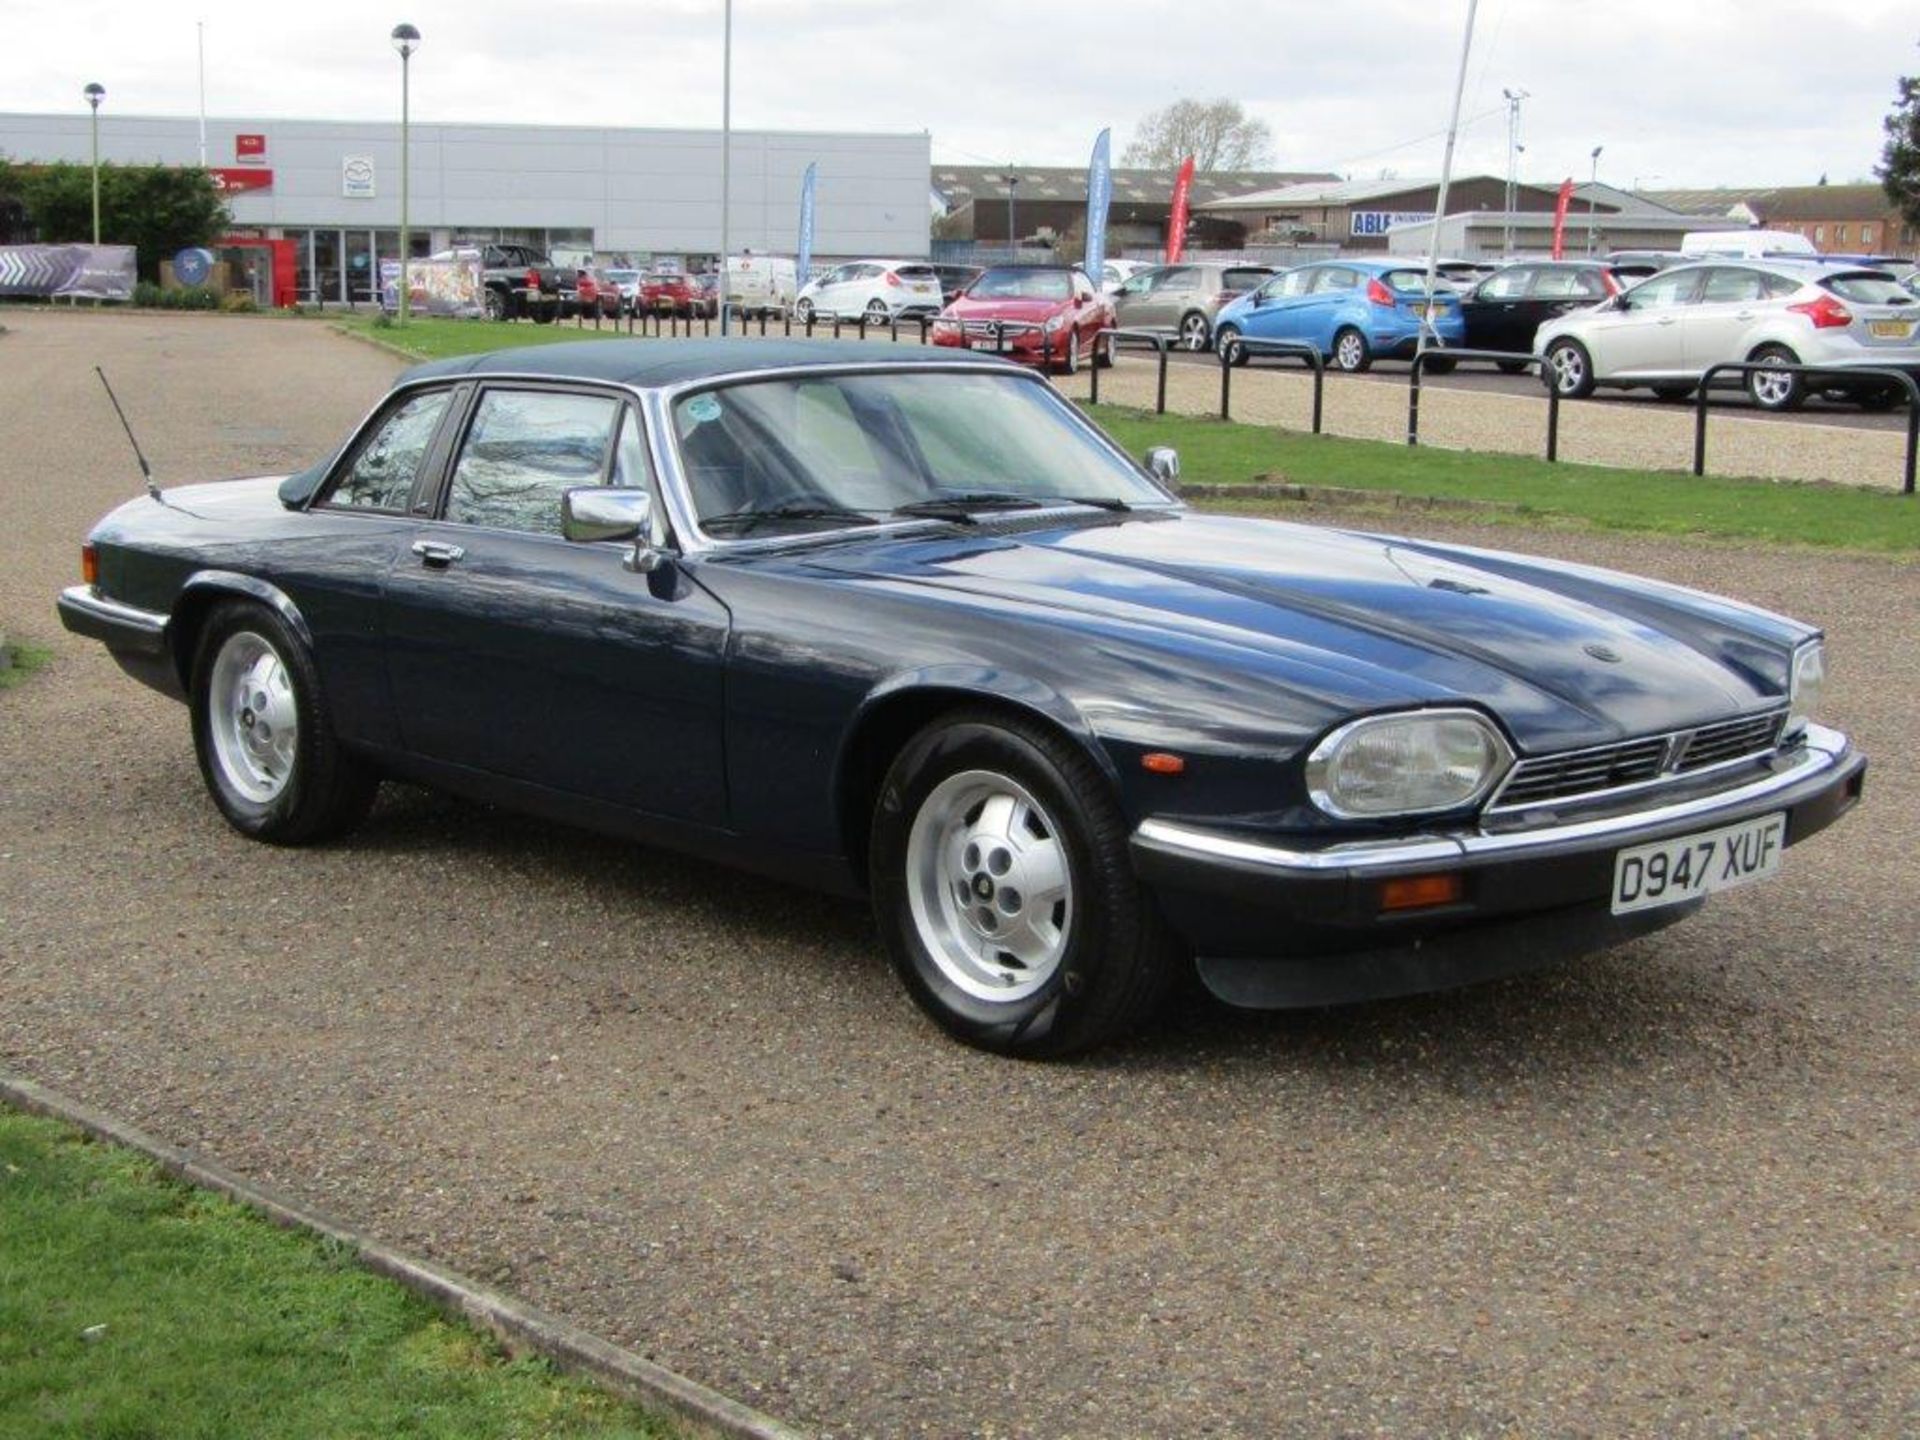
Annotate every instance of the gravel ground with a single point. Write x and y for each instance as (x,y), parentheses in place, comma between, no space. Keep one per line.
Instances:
(1667,1192)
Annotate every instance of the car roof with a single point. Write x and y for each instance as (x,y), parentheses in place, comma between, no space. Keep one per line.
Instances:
(651,363)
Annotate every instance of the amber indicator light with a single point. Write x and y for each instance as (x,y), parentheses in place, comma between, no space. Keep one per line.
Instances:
(1417,892)
(89,565)
(1159,762)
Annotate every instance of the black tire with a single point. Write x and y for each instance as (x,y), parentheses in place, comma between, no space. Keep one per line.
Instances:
(1674,394)
(1511,367)
(877,312)
(1438,366)
(1876,398)
(1193,332)
(1776,393)
(1102,354)
(544,314)
(1227,342)
(1115,959)
(1351,353)
(1569,370)
(314,790)
(497,308)
(1070,356)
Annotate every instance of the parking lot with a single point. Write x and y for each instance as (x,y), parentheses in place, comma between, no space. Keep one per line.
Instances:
(1672,1191)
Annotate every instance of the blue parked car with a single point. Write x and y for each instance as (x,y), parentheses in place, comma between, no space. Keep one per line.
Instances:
(1356,311)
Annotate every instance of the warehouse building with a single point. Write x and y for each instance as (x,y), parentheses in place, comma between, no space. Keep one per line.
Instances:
(332,187)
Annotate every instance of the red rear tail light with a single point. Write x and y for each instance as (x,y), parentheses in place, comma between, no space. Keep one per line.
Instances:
(89,564)
(893,280)
(1379,294)
(1826,313)
(533,279)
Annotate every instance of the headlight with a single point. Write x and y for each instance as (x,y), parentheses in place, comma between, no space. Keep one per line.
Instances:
(1052,326)
(1408,764)
(1804,688)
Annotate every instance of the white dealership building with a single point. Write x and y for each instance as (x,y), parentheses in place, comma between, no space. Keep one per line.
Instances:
(333,186)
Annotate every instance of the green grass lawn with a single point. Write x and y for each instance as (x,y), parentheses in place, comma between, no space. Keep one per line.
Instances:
(133,1307)
(1221,452)
(1779,512)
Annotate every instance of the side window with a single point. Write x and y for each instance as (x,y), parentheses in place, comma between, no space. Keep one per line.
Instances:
(1507,285)
(1780,286)
(1558,285)
(1183,279)
(1293,282)
(1662,292)
(1139,284)
(1240,281)
(1727,285)
(381,476)
(633,469)
(1336,277)
(522,450)
(1589,286)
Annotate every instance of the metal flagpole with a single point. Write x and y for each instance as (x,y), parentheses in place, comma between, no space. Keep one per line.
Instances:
(726,155)
(200,28)
(1446,178)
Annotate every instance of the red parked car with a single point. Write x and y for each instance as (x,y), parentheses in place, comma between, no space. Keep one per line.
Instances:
(597,293)
(667,292)
(1051,314)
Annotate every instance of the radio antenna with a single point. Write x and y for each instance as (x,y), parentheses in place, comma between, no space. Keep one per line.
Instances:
(145,469)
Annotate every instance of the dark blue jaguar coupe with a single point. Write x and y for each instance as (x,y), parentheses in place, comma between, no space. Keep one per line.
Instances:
(907,624)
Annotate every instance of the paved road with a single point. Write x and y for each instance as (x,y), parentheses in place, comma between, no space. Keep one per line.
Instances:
(1671,1192)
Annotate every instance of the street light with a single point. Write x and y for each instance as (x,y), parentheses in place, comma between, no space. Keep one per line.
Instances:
(406,40)
(1593,181)
(1514,147)
(1013,235)
(726,157)
(95,94)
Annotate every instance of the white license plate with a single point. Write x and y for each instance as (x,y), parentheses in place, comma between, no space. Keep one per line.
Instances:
(1890,329)
(984,344)
(1687,867)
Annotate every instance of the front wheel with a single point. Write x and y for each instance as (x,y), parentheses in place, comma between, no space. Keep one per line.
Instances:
(1193,331)
(1229,346)
(262,734)
(496,305)
(1070,353)
(543,314)
(1511,367)
(1568,371)
(1350,351)
(1675,393)
(1775,388)
(1004,893)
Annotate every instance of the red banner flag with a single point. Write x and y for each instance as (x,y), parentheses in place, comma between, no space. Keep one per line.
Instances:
(1560,218)
(1177,221)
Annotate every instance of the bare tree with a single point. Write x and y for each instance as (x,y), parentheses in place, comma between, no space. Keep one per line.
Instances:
(1219,134)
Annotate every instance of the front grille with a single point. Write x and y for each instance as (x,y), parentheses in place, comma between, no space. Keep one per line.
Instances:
(1578,774)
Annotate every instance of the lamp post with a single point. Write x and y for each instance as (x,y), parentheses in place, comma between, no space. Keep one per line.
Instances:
(726,153)
(406,40)
(95,94)
(1593,181)
(1013,235)
(1514,97)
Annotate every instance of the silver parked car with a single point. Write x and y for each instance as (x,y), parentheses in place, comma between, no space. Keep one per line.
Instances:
(1184,298)
(1666,331)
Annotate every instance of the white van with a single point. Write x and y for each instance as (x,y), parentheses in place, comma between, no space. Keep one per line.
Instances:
(759,284)
(1744,244)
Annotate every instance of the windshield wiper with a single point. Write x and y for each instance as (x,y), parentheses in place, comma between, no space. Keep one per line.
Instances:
(756,516)
(1099,502)
(962,503)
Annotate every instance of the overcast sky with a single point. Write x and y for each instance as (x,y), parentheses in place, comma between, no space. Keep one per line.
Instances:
(1679,92)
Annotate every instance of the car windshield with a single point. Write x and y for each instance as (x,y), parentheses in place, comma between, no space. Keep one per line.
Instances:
(824,451)
(1868,287)
(1013,284)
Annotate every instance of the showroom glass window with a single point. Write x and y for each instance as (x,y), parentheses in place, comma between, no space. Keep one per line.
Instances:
(523,450)
(382,474)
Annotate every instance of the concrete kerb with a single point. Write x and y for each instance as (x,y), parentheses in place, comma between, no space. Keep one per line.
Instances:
(517,1325)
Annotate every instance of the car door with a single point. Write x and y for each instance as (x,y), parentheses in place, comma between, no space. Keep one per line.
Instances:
(1133,301)
(1714,328)
(1495,311)
(1640,334)
(514,652)
(1174,293)
(1277,305)
(1336,300)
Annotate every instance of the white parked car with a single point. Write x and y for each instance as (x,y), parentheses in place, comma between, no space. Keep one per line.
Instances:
(1115,273)
(1667,330)
(880,290)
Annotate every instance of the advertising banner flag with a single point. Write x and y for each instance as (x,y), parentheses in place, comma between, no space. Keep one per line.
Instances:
(82,272)
(803,264)
(1099,196)
(1177,221)
(1560,217)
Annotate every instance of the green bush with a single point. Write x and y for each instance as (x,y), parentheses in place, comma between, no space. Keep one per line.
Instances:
(238,302)
(157,209)
(191,297)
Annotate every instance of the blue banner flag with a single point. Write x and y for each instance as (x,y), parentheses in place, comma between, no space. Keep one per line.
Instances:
(1099,195)
(804,263)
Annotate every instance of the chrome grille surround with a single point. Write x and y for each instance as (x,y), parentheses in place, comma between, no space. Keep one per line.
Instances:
(1626,765)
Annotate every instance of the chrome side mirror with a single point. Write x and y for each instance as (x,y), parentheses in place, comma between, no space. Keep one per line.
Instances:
(1163,463)
(595,513)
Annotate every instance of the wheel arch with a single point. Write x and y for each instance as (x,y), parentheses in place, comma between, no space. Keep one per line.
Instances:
(894,712)
(207,588)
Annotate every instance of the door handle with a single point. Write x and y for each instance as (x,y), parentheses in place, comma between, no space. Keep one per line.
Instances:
(1668,319)
(435,555)
(1743,315)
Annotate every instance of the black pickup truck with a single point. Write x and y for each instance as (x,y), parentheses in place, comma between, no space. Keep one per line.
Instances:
(520,281)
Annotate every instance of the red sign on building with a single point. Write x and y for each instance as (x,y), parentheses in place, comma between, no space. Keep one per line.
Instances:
(238,182)
(250,149)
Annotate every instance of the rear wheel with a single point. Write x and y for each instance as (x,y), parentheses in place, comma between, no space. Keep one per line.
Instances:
(262,735)
(543,314)
(1877,397)
(1673,394)
(1569,370)
(1351,352)
(1193,331)
(1774,388)
(1229,346)
(1511,367)
(496,305)
(1004,893)
(876,312)
(1440,366)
